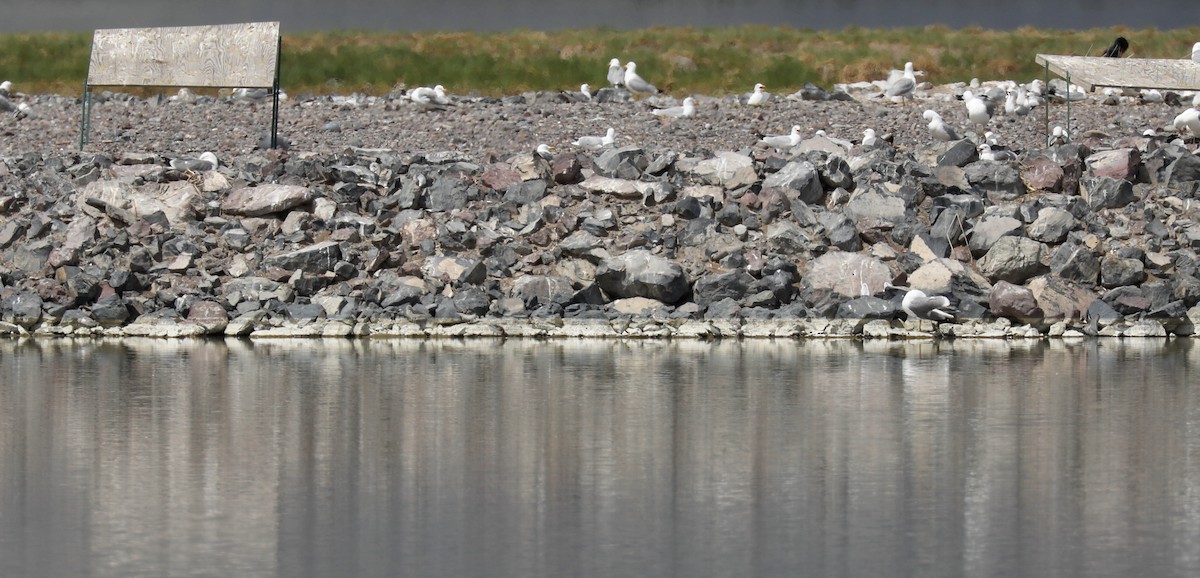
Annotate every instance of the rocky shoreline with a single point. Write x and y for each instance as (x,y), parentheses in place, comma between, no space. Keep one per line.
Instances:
(382,219)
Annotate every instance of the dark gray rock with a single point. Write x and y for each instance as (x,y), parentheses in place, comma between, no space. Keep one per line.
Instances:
(713,287)
(1075,262)
(800,182)
(841,232)
(24,309)
(958,154)
(471,301)
(111,311)
(1106,192)
(999,181)
(1117,271)
(622,163)
(315,259)
(538,290)
(1185,169)
(639,273)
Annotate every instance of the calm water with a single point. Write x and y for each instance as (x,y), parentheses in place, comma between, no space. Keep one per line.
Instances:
(404,15)
(598,458)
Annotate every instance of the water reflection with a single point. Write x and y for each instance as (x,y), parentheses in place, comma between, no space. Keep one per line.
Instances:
(449,458)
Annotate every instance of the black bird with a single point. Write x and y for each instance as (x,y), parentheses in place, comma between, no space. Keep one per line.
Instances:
(1118,48)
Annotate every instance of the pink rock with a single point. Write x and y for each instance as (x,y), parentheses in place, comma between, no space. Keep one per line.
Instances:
(1117,163)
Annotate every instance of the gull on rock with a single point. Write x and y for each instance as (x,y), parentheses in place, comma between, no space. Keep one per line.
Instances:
(23,111)
(616,73)
(635,83)
(595,142)
(938,129)
(759,96)
(1196,52)
(543,151)
(784,141)
(688,109)
(6,88)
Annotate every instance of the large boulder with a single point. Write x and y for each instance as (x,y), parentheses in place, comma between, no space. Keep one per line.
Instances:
(639,273)
(1013,259)
(265,199)
(800,180)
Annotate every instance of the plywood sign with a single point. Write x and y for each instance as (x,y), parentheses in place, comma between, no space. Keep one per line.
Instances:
(1092,71)
(219,56)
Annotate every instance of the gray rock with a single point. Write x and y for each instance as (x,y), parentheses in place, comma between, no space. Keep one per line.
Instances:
(539,290)
(639,273)
(10,231)
(445,194)
(958,154)
(316,259)
(24,309)
(1013,259)
(1051,226)
(1075,262)
(30,258)
(841,232)
(111,311)
(727,169)
(847,273)
(455,270)
(713,287)
(265,199)
(799,180)
(1116,271)
(867,308)
(1106,192)
(875,205)
(998,180)
(1185,169)
(988,230)
(622,163)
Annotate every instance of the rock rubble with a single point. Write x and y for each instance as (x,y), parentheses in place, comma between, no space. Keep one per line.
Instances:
(687,227)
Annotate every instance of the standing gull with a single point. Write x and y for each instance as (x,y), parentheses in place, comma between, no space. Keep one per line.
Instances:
(6,87)
(902,87)
(616,74)
(595,142)
(636,83)
(688,109)
(938,128)
(784,141)
(977,109)
(759,96)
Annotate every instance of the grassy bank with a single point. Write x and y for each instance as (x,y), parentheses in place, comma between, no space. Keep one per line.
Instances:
(679,60)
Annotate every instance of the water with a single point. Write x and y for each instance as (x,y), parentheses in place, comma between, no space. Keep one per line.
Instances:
(487,15)
(599,458)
